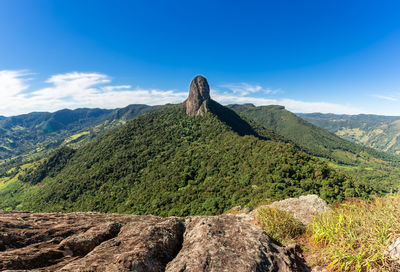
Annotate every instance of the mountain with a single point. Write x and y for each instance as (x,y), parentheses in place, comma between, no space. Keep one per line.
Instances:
(366,165)
(198,157)
(36,131)
(311,138)
(376,131)
(39,132)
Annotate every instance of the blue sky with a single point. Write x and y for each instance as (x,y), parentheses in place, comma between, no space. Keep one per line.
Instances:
(310,56)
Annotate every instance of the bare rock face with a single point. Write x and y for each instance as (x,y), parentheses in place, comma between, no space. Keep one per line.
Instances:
(393,250)
(231,243)
(82,243)
(144,245)
(199,95)
(112,242)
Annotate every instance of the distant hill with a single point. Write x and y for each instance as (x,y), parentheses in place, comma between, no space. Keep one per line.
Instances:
(369,166)
(41,131)
(169,163)
(311,138)
(380,132)
(35,131)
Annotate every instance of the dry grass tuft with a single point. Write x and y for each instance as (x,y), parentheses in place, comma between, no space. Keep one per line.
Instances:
(279,225)
(354,235)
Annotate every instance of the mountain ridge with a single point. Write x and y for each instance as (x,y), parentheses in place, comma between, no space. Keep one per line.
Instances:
(376,131)
(313,139)
(169,163)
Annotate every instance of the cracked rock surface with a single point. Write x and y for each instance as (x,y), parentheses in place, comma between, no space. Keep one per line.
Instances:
(113,242)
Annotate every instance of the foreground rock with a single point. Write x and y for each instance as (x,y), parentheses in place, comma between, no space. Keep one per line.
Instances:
(304,208)
(231,243)
(111,242)
(393,250)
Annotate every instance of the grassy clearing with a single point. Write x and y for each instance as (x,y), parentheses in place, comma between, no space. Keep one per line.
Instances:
(354,235)
(7,180)
(76,136)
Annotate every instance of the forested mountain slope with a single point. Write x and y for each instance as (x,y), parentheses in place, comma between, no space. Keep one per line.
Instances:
(369,166)
(169,163)
(39,132)
(313,139)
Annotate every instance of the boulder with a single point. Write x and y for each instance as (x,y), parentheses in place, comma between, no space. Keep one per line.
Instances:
(231,243)
(303,208)
(393,250)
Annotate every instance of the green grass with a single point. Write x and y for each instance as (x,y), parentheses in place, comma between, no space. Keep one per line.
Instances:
(76,136)
(279,225)
(7,180)
(354,235)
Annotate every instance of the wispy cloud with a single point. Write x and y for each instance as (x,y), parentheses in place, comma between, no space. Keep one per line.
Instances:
(290,104)
(385,97)
(239,93)
(95,90)
(12,83)
(246,88)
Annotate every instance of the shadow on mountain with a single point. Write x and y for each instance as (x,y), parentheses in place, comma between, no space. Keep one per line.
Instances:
(233,120)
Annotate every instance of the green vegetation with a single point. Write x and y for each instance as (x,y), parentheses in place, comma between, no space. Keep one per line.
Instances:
(312,139)
(12,190)
(354,235)
(380,132)
(39,133)
(50,167)
(167,163)
(280,226)
(368,166)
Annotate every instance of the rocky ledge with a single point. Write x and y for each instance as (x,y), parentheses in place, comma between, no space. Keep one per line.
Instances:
(112,242)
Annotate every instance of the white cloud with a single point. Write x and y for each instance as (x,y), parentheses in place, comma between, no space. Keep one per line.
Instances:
(290,104)
(245,88)
(384,97)
(12,83)
(75,90)
(94,90)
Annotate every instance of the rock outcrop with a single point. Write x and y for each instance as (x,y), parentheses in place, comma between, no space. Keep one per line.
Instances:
(231,243)
(111,242)
(199,96)
(303,208)
(393,250)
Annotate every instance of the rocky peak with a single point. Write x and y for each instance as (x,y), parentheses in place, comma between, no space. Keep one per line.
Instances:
(199,95)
